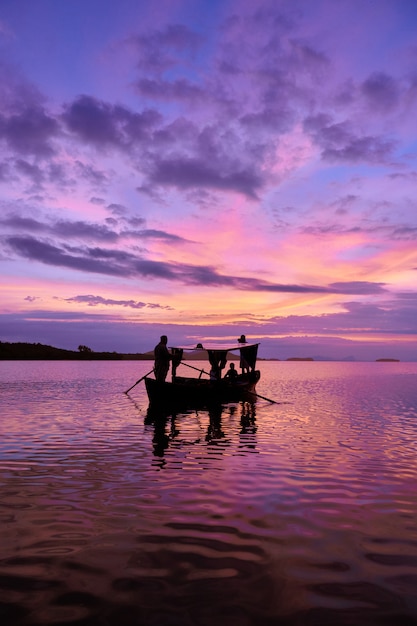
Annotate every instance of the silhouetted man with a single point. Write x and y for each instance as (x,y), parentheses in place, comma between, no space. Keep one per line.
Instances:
(162,359)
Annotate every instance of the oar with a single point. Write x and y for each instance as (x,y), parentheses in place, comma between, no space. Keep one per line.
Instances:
(140,379)
(258,395)
(195,368)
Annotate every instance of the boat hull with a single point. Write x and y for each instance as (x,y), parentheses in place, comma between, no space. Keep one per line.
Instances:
(190,392)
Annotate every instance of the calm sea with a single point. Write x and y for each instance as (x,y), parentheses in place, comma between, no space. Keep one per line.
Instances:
(297,513)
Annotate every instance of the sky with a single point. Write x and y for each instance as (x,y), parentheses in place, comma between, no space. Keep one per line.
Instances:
(204,169)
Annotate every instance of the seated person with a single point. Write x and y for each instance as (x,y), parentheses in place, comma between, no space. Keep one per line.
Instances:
(231,373)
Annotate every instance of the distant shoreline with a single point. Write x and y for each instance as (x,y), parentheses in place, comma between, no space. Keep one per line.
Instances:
(41,352)
(20,351)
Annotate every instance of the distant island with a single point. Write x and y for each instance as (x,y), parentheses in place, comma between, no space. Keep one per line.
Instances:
(41,352)
(20,351)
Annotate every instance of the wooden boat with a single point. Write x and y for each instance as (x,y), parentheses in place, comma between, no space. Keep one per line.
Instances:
(198,391)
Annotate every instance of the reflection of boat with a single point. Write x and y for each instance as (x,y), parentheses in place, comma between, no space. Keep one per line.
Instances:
(218,420)
(198,391)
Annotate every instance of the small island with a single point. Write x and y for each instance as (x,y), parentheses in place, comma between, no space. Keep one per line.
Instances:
(20,351)
(39,352)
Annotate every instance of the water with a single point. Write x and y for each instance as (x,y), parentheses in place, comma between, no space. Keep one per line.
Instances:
(298,513)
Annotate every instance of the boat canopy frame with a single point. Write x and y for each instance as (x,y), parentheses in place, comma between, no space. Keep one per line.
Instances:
(217,355)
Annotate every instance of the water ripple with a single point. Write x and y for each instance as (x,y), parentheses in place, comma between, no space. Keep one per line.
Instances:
(295,513)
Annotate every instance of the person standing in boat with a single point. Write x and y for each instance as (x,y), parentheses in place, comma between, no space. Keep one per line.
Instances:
(244,365)
(162,359)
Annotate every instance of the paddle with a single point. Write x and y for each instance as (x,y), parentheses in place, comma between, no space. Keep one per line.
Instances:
(140,379)
(195,368)
(258,395)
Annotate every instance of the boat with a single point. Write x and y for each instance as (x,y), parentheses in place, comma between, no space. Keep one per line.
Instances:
(214,388)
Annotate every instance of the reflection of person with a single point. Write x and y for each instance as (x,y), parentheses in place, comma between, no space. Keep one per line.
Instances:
(231,373)
(162,359)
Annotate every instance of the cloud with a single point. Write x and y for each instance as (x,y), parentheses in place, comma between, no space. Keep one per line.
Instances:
(404,233)
(104,125)
(236,121)
(16,221)
(183,173)
(339,141)
(91,300)
(30,170)
(30,132)
(67,230)
(117,209)
(84,230)
(45,252)
(357,287)
(4,171)
(120,263)
(381,91)
(152,233)
(62,228)
(88,172)
(325,335)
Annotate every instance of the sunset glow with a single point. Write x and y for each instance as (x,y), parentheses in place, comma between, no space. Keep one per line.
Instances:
(206,169)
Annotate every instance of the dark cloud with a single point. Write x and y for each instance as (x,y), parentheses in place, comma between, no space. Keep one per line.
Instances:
(183,173)
(4,171)
(339,142)
(155,269)
(270,119)
(391,318)
(368,149)
(119,263)
(62,228)
(30,132)
(405,233)
(20,223)
(97,201)
(45,252)
(343,205)
(352,287)
(357,287)
(67,230)
(156,234)
(91,300)
(84,230)
(120,256)
(17,93)
(382,91)
(30,170)
(329,229)
(263,286)
(117,209)
(90,173)
(104,125)
(388,231)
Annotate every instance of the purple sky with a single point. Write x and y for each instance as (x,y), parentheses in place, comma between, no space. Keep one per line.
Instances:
(206,169)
